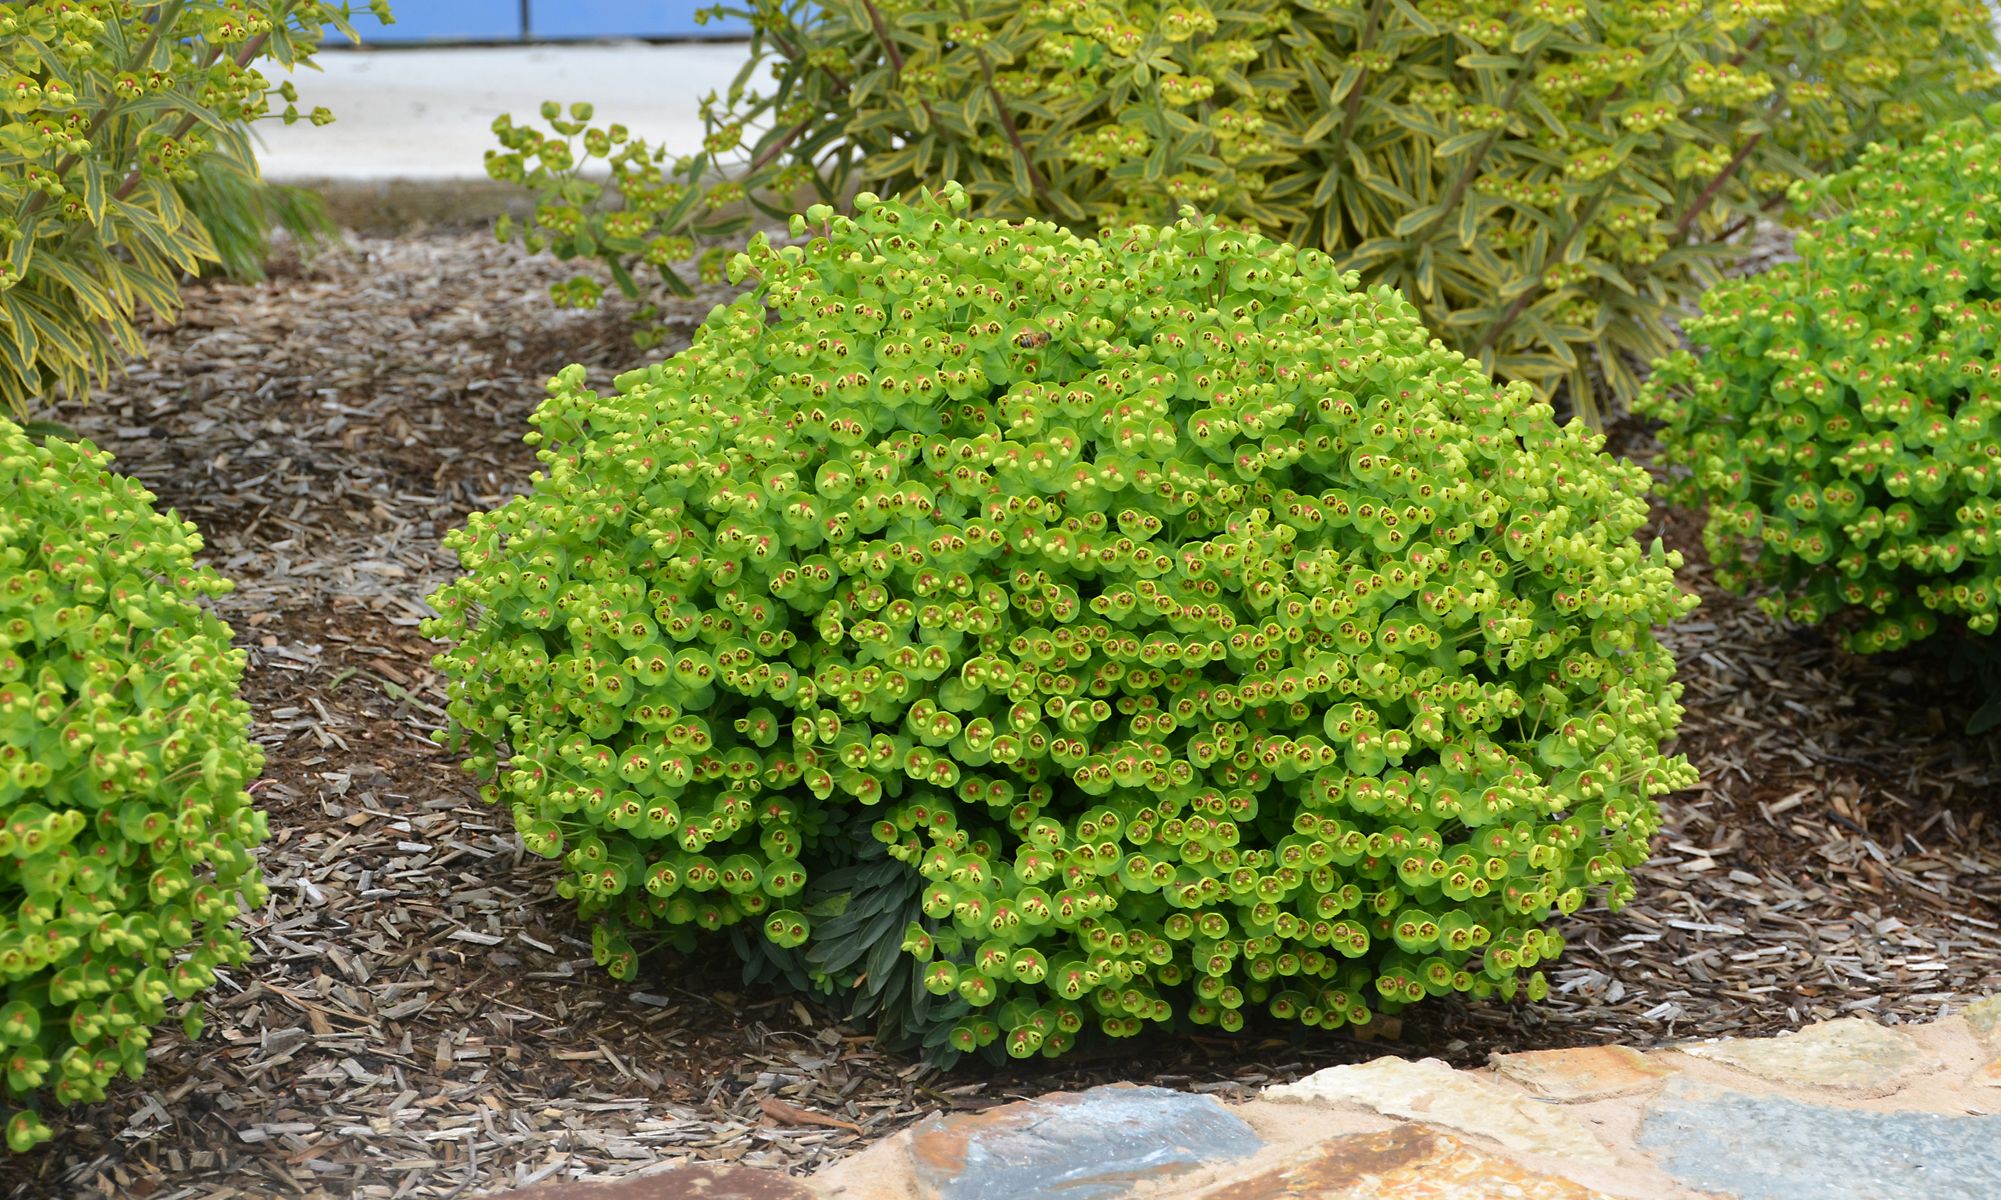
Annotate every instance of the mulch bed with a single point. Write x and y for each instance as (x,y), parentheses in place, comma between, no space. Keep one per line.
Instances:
(423,1018)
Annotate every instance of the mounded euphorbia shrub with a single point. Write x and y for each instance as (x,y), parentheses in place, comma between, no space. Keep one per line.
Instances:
(126,834)
(1840,418)
(1008,634)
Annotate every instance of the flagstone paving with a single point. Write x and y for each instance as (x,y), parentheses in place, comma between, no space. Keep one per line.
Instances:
(1074,1146)
(1771,1148)
(1844,1110)
(1850,1054)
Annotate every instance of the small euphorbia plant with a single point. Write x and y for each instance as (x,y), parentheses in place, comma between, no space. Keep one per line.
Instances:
(126,835)
(1548,181)
(1841,415)
(114,116)
(1026,634)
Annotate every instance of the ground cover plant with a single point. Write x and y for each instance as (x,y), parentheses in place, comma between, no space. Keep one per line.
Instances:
(1026,634)
(123,128)
(1548,182)
(1838,414)
(125,830)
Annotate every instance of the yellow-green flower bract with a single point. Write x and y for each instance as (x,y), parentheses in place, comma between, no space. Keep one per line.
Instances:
(126,835)
(1199,635)
(1840,419)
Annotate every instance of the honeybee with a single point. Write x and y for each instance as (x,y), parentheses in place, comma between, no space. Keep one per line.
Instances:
(1034,339)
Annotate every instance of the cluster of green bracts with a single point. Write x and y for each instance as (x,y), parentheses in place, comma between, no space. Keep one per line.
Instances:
(1841,423)
(1200,636)
(126,835)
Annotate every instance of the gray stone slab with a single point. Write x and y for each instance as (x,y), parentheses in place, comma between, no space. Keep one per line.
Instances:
(1074,1145)
(1753,1147)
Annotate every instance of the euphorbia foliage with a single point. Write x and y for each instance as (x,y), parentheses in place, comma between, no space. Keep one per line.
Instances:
(125,850)
(1142,629)
(1840,421)
(1549,181)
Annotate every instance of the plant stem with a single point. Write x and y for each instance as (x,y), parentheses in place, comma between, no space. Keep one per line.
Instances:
(1738,226)
(1702,201)
(776,148)
(1522,302)
(1695,210)
(1354,104)
(1006,115)
(895,55)
(1750,47)
(790,51)
(882,35)
(1465,179)
(243,57)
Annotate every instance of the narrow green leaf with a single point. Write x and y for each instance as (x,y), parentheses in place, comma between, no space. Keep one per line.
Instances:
(93,189)
(1460,143)
(1413,221)
(1470,212)
(22,253)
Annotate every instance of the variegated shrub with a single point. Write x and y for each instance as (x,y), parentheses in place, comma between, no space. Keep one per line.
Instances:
(1548,181)
(122,125)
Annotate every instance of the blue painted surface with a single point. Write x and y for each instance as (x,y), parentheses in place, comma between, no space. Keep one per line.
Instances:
(501,20)
(626,18)
(443,21)
(1771,1148)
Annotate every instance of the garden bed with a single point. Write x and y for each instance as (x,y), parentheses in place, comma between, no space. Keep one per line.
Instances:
(423,1018)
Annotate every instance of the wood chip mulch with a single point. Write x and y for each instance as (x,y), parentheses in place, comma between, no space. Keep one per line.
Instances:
(423,1019)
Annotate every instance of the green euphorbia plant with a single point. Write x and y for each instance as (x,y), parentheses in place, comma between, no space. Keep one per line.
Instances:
(126,835)
(122,124)
(1549,182)
(1021,633)
(1841,418)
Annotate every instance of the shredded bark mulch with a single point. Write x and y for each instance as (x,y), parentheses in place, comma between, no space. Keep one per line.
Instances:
(423,1019)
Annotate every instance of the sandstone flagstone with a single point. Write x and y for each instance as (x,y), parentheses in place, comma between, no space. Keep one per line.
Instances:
(1410,1162)
(1850,1054)
(1751,1147)
(1983,1018)
(1581,1073)
(1429,1090)
(700,1181)
(1074,1145)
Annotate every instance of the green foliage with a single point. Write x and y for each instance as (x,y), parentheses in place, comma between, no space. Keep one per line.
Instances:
(239,209)
(125,830)
(1189,633)
(108,113)
(1549,182)
(1840,422)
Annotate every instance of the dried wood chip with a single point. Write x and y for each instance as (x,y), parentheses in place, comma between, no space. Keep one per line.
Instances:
(792,1114)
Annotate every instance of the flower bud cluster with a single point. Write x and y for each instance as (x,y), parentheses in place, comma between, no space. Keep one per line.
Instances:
(125,831)
(1197,634)
(1842,421)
